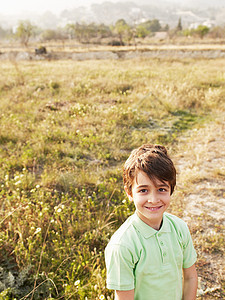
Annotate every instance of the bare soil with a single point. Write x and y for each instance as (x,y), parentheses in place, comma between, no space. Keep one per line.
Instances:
(116,53)
(201,166)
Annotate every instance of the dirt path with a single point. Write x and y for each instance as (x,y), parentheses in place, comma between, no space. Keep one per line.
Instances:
(200,161)
(114,54)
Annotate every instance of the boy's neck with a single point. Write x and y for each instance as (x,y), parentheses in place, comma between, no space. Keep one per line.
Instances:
(155,225)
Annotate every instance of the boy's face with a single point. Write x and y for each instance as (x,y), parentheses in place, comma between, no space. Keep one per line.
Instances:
(151,199)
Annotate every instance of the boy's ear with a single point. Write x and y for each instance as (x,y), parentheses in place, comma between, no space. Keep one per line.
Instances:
(128,194)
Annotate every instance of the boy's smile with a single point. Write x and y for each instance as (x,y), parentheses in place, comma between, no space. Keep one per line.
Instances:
(151,199)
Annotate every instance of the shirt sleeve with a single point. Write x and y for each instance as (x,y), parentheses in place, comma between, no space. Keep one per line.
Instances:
(120,265)
(189,253)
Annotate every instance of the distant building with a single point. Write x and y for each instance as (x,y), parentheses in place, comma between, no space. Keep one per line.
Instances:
(208,23)
(14,29)
(161,35)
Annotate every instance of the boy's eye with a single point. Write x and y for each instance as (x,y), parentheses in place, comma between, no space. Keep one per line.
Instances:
(143,191)
(162,190)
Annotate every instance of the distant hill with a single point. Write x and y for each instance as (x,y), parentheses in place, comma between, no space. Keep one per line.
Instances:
(187,3)
(167,11)
(202,3)
(108,12)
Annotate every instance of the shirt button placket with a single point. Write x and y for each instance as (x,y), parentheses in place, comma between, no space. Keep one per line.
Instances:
(162,247)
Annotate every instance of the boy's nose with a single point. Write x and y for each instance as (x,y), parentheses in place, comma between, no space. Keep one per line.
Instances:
(153,198)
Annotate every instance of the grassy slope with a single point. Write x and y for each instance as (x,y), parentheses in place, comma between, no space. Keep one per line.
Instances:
(66,129)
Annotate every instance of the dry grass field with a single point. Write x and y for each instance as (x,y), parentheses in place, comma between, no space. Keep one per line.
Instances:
(181,43)
(66,128)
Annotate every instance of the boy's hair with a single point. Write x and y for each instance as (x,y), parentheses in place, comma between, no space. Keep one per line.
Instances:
(154,161)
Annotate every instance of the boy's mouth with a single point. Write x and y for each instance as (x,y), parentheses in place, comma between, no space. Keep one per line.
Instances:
(155,208)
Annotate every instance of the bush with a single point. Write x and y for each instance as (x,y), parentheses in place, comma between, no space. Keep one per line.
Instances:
(51,34)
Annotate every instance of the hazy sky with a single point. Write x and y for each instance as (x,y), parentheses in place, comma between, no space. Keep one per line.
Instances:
(11,7)
(40,6)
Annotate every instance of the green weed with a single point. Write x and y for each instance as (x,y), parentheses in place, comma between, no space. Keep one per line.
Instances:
(66,129)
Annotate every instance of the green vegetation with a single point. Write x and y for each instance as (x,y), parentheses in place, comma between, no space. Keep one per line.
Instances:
(66,129)
(200,31)
(24,32)
(119,34)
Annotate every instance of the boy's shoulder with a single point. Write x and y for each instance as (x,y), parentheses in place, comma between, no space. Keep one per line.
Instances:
(174,219)
(177,224)
(125,231)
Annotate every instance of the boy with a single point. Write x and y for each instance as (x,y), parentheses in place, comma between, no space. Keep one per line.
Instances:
(147,254)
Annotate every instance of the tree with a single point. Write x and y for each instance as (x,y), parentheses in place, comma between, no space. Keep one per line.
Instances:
(81,32)
(142,31)
(188,32)
(152,25)
(202,30)
(75,31)
(166,28)
(50,34)
(122,29)
(217,32)
(179,25)
(3,33)
(70,30)
(84,32)
(24,31)
(104,31)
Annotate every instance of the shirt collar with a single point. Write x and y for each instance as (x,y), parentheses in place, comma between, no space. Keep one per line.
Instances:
(146,230)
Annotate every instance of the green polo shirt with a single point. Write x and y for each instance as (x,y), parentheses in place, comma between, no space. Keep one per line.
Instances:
(149,261)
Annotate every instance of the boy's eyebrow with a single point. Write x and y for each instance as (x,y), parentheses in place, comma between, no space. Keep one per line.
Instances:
(156,185)
(161,185)
(142,186)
